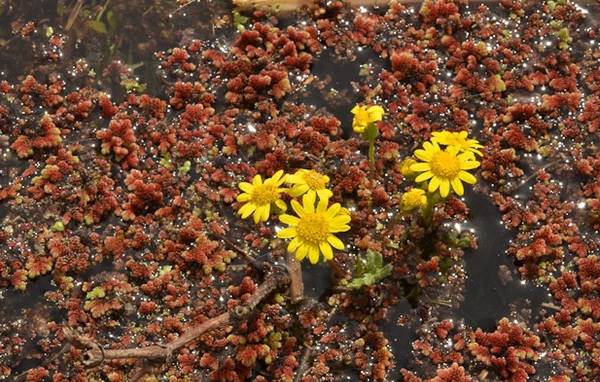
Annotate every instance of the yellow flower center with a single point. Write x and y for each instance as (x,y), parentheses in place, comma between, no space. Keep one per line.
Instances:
(314,180)
(313,228)
(445,165)
(264,194)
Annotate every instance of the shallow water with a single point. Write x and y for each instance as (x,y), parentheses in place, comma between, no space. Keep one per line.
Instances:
(487,297)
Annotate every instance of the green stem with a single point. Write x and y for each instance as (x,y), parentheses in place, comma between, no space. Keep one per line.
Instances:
(372,153)
(370,135)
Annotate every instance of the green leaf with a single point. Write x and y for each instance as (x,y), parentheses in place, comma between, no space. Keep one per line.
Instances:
(369,269)
(239,20)
(132,85)
(97,26)
(112,20)
(97,292)
(185,168)
(58,226)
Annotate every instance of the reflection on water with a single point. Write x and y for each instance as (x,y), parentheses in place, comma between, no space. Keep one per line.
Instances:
(488,295)
(492,289)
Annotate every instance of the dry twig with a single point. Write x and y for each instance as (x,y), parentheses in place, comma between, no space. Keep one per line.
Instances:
(96,354)
(296,283)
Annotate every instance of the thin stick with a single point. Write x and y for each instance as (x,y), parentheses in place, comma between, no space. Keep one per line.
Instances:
(73,15)
(97,355)
(296,283)
(237,249)
(302,369)
(530,177)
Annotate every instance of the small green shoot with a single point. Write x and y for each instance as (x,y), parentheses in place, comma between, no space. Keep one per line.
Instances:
(239,21)
(97,292)
(369,270)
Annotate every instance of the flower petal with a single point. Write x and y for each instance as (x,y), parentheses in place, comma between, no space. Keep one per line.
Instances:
(258,214)
(468,165)
(281,205)
(246,187)
(289,220)
(298,209)
(326,250)
(434,184)
(324,193)
(444,188)
(424,176)
(339,228)
(335,242)
(257,180)
(376,113)
(308,202)
(333,210)
(266,212)
(302,251)
(246,210)
(322,206)
(297,190)
(467,177)
(420,167)
(243,197)
(457,186)
(277,176)
(294,244)
(423,155)
(313,254)
(287,233)
(341,219)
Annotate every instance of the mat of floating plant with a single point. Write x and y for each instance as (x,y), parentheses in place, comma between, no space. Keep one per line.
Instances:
(128,129)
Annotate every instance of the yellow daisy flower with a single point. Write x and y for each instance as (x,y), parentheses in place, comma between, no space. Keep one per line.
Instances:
(309,182)
(413,199)
(259,196)
(458,139)
(444,168)
(312,231)
(364,115)
(405,166)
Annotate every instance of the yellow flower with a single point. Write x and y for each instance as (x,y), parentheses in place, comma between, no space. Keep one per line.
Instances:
(259,196)
(444,168)
(405,166)
(364,115)
(459,139)
(414,199)
(312,231)
(309,182)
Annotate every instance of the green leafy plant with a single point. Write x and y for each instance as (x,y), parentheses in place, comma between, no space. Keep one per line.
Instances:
(97,292)
(369,270)
(239,21)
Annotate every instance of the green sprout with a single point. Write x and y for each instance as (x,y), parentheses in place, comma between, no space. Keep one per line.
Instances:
(97,292)
(369,270)
(239,20)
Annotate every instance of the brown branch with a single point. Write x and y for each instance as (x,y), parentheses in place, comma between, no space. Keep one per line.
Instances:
(96,355)
(73,15)
(236,248)
(296,284)
(303,368)
(23,376)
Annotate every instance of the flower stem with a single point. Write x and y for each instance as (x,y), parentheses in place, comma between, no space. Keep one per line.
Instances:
(372,154)
(370,135)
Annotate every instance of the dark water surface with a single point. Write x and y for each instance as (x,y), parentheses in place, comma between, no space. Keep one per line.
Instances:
(487,297)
